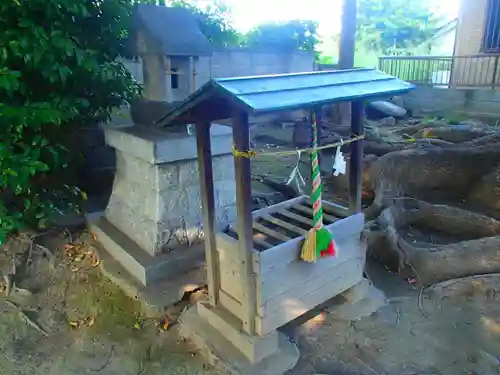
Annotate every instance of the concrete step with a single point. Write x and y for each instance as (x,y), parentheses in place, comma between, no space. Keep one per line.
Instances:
(145,268)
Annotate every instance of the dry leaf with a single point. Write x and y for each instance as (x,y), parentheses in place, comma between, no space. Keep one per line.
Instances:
(94,237)
(96,263)
(90,321)
(73,324)
(75,269)
(69,246)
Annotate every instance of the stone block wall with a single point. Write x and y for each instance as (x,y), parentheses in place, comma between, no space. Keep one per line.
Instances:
(473,102)
(156,198)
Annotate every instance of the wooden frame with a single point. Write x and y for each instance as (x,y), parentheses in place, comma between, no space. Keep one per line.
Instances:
(253,268)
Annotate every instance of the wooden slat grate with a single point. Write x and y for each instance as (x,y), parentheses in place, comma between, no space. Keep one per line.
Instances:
(282,225)
(299,218)
(329,219)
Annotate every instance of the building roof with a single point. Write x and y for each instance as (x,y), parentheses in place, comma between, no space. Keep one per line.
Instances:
(264,94)
(175,28)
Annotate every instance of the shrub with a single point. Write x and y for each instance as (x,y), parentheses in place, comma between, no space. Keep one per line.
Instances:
(58,68)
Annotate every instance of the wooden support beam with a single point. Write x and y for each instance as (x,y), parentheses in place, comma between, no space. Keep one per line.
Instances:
(356,159)
(241,138)
(208,203)
(319,117)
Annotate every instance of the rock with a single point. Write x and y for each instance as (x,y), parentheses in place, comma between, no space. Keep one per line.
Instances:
(384,109)
(388,121)
(398,100)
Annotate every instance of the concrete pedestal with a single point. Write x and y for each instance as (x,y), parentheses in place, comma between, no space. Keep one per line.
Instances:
(155,208)
(219,335)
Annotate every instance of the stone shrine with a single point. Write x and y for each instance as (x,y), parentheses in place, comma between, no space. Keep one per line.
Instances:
(154,212)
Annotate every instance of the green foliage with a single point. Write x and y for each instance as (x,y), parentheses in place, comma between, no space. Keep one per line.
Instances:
(394,26)
(214,23)
(288,36)
(59,69)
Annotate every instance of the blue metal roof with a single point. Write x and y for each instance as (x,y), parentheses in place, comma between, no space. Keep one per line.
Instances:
(263,94)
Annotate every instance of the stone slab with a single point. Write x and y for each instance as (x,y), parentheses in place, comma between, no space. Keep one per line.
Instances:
(144,267)
(255,348)
(219,351)
(360,301)
(155,297)
(159,146)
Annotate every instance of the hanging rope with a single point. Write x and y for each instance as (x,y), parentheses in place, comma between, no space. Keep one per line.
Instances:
(254,153)
(319,241)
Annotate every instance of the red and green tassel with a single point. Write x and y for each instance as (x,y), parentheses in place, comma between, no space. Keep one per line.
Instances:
(319,241)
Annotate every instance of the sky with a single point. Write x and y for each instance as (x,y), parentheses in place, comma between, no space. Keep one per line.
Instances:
(248,13)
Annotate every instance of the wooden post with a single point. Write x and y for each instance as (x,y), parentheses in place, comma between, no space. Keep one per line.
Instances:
(356,157)
(192,66)
(347,48)
(208,203)
(318,111)
(168,80)
(241,138)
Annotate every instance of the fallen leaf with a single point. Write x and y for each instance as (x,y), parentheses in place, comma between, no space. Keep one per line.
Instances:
(96,263)
(73,324)
(69,246)
(90,321)
(94,237)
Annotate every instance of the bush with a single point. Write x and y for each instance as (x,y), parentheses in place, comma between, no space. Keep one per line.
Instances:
(58,69)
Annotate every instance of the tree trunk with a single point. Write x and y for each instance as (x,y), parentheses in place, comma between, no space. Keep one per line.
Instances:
(453,242)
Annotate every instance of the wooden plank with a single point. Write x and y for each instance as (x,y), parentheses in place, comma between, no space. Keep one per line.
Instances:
(335,209)
(333,284)
(296,217)
(309,211)
(332,209)
(226,244)
(356,157)
(208,203)
(230,303)
(284,224)
(280,255)
(271,232)
(262,242)
(300,278)
(241,139)
(278,207)
(229,272)
(259,242)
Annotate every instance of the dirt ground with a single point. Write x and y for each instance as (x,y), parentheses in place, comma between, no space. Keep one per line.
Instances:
(86,325)
(65,318)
